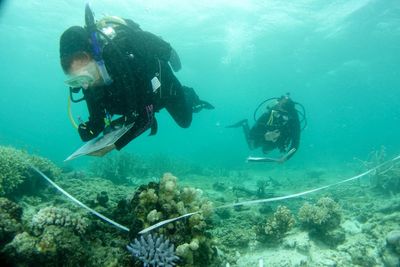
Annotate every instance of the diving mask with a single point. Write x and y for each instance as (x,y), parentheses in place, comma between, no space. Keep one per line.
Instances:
(84,77)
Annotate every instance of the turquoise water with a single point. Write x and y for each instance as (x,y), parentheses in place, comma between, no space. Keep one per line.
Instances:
(340,59)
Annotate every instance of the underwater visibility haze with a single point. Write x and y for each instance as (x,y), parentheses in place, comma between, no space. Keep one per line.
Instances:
(339,59)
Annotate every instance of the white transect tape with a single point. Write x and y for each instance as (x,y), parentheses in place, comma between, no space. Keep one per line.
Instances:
(80,203)
(155,226)
(251,202)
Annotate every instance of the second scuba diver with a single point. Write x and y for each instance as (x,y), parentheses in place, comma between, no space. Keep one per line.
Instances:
(277,128)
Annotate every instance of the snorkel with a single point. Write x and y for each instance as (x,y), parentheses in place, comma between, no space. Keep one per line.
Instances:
(92,30)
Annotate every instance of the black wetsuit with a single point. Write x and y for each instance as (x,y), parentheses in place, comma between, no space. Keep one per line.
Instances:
(288,125)
(133,58)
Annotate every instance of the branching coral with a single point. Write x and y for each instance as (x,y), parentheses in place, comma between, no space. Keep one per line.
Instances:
(153,251)
(277,226)
(322,216)
(165,200)
(15,170)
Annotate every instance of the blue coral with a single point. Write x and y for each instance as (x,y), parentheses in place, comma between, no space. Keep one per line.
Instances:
(153,251)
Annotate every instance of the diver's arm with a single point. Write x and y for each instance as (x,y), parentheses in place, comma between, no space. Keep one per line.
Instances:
(95,125)
(140,126)
(259,129)
(156,45)
(161,49)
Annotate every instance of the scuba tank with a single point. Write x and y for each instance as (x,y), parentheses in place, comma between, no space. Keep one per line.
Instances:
(299,108)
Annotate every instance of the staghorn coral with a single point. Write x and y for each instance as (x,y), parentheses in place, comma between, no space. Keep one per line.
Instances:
(60,217)
(16,174)
(153,251)
(277,226)
(165,200)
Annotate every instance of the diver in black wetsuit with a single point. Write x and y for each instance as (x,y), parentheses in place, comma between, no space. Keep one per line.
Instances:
(277,128)
(123,70)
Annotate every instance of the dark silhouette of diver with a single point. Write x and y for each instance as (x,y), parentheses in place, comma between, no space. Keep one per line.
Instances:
(278,127)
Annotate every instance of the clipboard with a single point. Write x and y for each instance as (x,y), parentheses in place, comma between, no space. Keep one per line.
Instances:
(94,146)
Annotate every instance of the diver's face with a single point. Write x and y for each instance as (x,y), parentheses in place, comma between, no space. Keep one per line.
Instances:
(83,72)
(78,64)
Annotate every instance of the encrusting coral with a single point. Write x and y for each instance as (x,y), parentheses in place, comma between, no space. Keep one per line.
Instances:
(165,200)
(56,246)
(60,217)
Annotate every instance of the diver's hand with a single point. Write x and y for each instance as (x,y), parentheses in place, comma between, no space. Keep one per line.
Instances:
(272,136)
(85,132)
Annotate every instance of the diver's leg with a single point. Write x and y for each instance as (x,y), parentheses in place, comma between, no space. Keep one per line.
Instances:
(180,108)
(246,131)
(180,101)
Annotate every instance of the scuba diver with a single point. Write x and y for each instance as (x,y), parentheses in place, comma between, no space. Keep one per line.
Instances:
(277,128)
(123,71)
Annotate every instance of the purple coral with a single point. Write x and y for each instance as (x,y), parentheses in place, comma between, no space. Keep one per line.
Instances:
(153,251)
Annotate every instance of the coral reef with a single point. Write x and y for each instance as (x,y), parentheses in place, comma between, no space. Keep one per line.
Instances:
(393,240)
(60,217)
(386,179)
(16,175)
(323,220)
(322,216)
(277,226)
(14,169)
(164,200)
(10,220)
(119,167)
(391,253)
(125,168)
(54,247)
(153,250)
